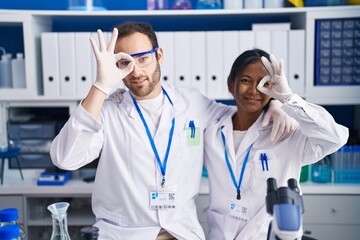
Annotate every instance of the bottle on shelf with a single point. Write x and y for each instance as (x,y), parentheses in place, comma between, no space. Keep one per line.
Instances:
(89,233)
(10,232)
(209,4)
(9,216)
(5,70)
(182,4)
(59,221)
(157,4)
(253,4)
(233,4)
(18,71)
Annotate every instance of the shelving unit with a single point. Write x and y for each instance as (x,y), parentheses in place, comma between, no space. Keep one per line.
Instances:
(326,206)
(24,195)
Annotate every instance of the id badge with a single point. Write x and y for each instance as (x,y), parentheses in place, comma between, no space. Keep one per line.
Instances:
(239,210)
(163,198)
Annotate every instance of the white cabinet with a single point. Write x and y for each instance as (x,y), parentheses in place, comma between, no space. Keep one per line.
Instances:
(39,221)
(332,216)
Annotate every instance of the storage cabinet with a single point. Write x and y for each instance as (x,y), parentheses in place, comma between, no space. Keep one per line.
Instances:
(331,211)
(331,94)
(332,216)
(39,220)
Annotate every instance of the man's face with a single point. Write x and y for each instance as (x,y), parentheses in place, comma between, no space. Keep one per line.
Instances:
(143,81)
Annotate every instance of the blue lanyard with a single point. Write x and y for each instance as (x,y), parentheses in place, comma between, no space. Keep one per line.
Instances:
(162,166)
(237,186)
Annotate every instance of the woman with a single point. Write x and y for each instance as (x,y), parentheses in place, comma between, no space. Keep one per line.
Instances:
(237,144)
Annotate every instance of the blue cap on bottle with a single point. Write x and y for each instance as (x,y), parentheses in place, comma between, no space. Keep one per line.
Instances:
(9,215)
(9,232)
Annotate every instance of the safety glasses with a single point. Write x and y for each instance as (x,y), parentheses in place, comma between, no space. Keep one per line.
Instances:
(142,59)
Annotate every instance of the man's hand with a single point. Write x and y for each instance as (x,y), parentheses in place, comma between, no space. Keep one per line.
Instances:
(278,87)
(108,74)
(283,125)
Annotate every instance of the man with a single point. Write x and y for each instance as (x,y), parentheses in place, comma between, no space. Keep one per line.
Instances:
(150,139)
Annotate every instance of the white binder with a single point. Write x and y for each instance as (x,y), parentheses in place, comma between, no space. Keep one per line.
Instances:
(263,40)
(67,64)
(93,59)
(214,78)
(166,42)
(280,46)
(297,61)
(198,61)
(50,64)
(231,52)
(246,40)
(83,57)
(182,59)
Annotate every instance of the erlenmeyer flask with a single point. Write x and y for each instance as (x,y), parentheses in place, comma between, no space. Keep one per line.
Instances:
(59,221)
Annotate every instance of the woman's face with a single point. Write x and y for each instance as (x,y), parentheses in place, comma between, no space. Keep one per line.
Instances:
(248,99)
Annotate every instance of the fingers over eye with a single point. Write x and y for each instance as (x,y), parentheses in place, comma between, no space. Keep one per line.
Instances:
(102,45)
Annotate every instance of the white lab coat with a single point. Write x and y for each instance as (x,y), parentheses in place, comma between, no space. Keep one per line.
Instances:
(128,170)
(317,136)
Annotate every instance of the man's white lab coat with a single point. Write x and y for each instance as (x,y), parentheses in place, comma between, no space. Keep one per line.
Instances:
(317,136)
(128,170)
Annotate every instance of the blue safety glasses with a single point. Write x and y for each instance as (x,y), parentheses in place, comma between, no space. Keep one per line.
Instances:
(142,59)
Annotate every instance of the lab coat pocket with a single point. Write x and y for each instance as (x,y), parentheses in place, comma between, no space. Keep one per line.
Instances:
(192,133)
(115,218)
(265,164)
(221,226)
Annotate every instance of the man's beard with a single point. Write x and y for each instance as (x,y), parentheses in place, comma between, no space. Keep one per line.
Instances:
(147,89)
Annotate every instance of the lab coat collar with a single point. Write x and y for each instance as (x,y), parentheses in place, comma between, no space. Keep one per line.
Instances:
(168,113)
(250,137)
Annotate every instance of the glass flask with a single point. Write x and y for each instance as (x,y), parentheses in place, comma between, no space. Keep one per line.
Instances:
(59,221)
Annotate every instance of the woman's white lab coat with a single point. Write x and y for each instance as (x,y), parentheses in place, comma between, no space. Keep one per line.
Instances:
(127,169)
(317,136)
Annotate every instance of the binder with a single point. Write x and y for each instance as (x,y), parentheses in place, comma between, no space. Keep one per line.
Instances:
(166,42)
(83,63)
(198,61)
(67,64)
(246,40)
(297,61)
(182,56)
(93,59)
(231,50)
(263,40)
(279,47)
(214,76)
(50,64)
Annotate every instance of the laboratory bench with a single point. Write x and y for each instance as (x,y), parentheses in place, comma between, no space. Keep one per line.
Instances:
(331,210)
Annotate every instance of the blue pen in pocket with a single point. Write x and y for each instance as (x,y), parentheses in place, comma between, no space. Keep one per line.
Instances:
(193,128)
(264,162)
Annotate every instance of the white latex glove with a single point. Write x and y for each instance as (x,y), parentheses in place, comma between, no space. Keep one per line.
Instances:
(108,74)
(282,126)
(278,87)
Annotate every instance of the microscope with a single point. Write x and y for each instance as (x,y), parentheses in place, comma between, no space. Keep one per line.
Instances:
(286,206)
